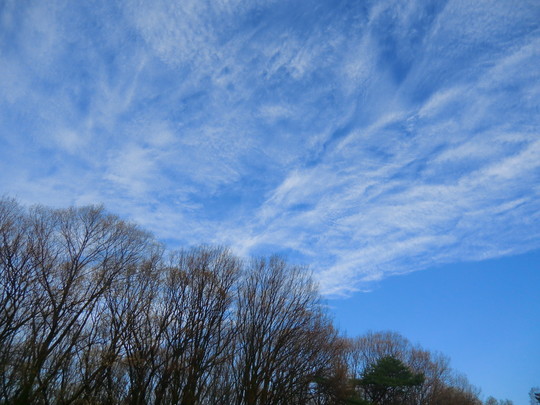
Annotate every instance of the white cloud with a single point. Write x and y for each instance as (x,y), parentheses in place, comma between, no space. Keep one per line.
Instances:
(369,143)
(133,169)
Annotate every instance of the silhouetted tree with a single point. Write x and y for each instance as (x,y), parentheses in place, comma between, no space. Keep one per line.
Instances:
(493,401)
(283,334)
(389,382)
(56,279)
(534,395)
(197,300)
(92,310)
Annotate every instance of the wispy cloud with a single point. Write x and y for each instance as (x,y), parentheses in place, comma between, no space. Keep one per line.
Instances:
(364,139)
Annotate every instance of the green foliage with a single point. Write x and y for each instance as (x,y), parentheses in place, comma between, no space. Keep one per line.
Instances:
(391,372)
(389,381)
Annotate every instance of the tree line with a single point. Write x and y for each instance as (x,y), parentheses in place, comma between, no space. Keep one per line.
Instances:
(95,311)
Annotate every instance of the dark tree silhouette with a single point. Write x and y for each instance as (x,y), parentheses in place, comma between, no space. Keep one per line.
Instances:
(94,310)
(389,381)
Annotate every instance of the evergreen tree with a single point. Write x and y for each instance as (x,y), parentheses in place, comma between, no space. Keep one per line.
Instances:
(389,381)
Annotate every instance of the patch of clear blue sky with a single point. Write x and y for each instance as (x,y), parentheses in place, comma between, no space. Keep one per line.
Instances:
(483,315)
(365,138)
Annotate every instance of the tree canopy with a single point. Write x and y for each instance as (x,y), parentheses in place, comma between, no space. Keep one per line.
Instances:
(94,310)
(389,381)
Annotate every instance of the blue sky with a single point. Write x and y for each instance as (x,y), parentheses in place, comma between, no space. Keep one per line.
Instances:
(367,139)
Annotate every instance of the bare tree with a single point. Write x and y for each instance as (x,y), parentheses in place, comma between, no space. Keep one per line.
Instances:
(16,298)
(73,257)
(330,382)
(91,312)
(281,333)
(134,334)
(493,401)
(197,301)
(436,370)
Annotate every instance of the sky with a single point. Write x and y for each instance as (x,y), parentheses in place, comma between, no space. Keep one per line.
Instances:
(391,146)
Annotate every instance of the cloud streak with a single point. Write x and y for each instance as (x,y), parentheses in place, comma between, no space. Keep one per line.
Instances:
(364,139)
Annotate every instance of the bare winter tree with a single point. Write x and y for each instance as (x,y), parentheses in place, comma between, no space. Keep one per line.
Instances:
(282,334)
(134,333)
(197,302)
(17,301)
(69,259)
(436,370)
(92,312)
